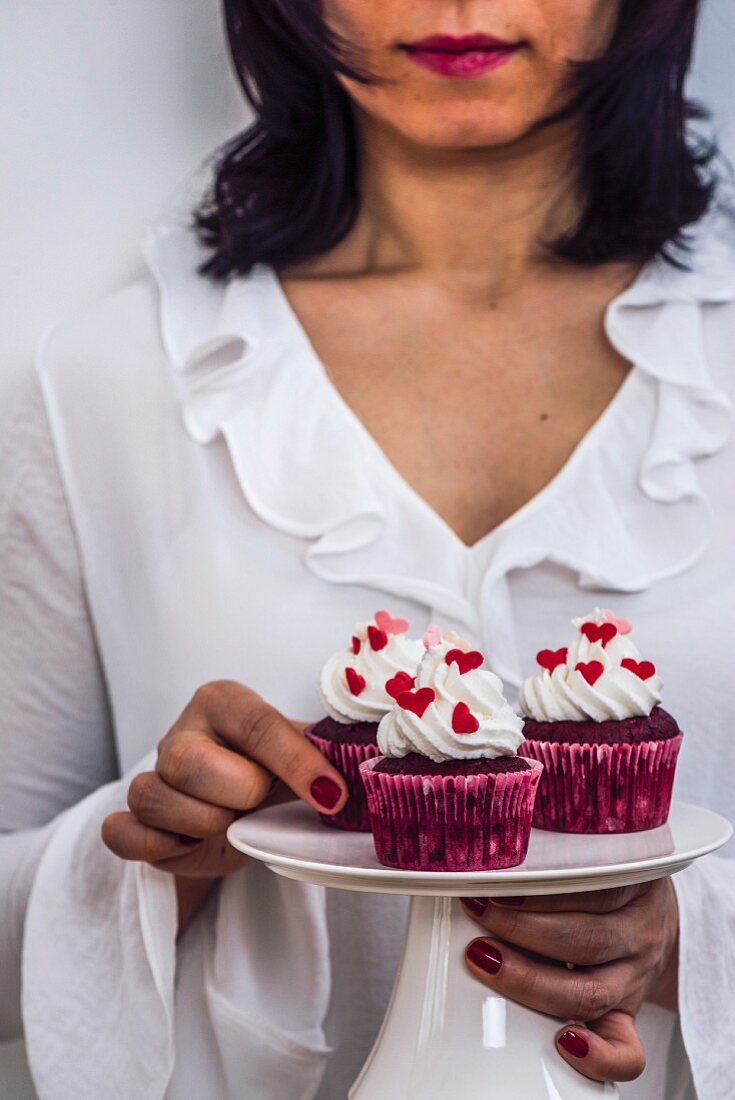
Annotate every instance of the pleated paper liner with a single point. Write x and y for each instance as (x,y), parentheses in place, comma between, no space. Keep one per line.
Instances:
(603,788)
(450,822)
(347,758)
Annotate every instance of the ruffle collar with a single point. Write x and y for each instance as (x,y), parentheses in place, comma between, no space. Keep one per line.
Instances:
(246,371)
(306,465)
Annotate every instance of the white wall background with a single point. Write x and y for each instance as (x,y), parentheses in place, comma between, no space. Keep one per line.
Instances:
(105,107)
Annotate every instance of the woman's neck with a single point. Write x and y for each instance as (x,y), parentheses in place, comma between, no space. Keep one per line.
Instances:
(478,217)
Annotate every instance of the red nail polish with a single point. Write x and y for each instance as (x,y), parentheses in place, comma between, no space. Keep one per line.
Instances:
(476,906)
(574,1044)
(326,792)
(512,903)
(484,955)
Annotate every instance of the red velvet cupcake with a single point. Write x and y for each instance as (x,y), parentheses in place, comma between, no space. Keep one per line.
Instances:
(593,720)
(449,792)
(357,688)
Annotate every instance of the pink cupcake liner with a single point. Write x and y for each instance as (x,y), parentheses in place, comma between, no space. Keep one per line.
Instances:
(450,822)
(596,788)
(347,758)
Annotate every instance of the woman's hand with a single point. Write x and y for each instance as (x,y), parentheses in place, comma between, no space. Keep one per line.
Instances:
(623,947)
(218,760)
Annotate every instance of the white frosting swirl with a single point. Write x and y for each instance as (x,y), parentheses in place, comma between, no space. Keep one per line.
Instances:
(565,695)
(500,730)
(400,654)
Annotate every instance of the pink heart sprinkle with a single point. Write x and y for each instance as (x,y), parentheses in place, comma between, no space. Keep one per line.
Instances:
(432,636)
(390,625)
(624,625)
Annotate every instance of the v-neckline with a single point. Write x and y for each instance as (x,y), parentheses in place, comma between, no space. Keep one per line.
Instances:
(482,546)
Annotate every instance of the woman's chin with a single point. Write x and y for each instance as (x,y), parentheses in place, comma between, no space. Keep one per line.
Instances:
(462,134)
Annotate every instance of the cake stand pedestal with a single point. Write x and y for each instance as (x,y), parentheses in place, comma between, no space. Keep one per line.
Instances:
(445,1033)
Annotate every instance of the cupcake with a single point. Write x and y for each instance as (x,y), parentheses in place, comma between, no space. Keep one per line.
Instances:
(594,721)
(357,687)
(449,792)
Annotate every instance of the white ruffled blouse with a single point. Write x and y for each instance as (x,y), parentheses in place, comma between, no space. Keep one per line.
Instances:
(187,497)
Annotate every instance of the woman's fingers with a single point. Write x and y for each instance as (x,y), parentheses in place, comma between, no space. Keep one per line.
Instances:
(128,838)
(195,764)
(217,761)
(191,761)
(548,987)
(191,857)
(610,1050)
(593,901)
(614,937)
(156,804)
(586,939)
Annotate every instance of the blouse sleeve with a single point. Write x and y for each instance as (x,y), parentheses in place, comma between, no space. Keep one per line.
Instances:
(96,934)
(56,739)
(706,895)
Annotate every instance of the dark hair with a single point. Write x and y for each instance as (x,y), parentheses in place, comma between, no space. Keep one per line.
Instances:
(286,189)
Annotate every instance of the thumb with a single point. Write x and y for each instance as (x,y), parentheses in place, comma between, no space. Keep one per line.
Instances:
(608,1050)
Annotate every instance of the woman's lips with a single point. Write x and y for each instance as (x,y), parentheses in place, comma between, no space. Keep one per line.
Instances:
(470,55)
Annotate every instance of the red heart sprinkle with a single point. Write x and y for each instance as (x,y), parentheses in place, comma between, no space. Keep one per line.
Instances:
(398,683)
(416,701)
(390,625)
(378,638)
(355,682)
(465,661)
(591,670)
(599,632)
(356,643)
(643,669)
(550,658)
(463,720)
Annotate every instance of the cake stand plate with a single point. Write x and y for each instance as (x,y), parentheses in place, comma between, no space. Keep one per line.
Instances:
(444,1032)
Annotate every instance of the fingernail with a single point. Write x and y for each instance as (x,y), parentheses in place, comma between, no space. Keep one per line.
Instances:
(574,1044)
(326,792)
(476,906)
(190,840)
(510,902)
(484,955)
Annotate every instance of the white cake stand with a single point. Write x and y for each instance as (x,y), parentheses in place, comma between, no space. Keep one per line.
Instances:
(445,1034)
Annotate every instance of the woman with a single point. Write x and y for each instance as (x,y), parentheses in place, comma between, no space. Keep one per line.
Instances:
(464,362)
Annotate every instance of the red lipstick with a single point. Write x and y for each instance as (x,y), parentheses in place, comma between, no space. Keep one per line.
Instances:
(468,55)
